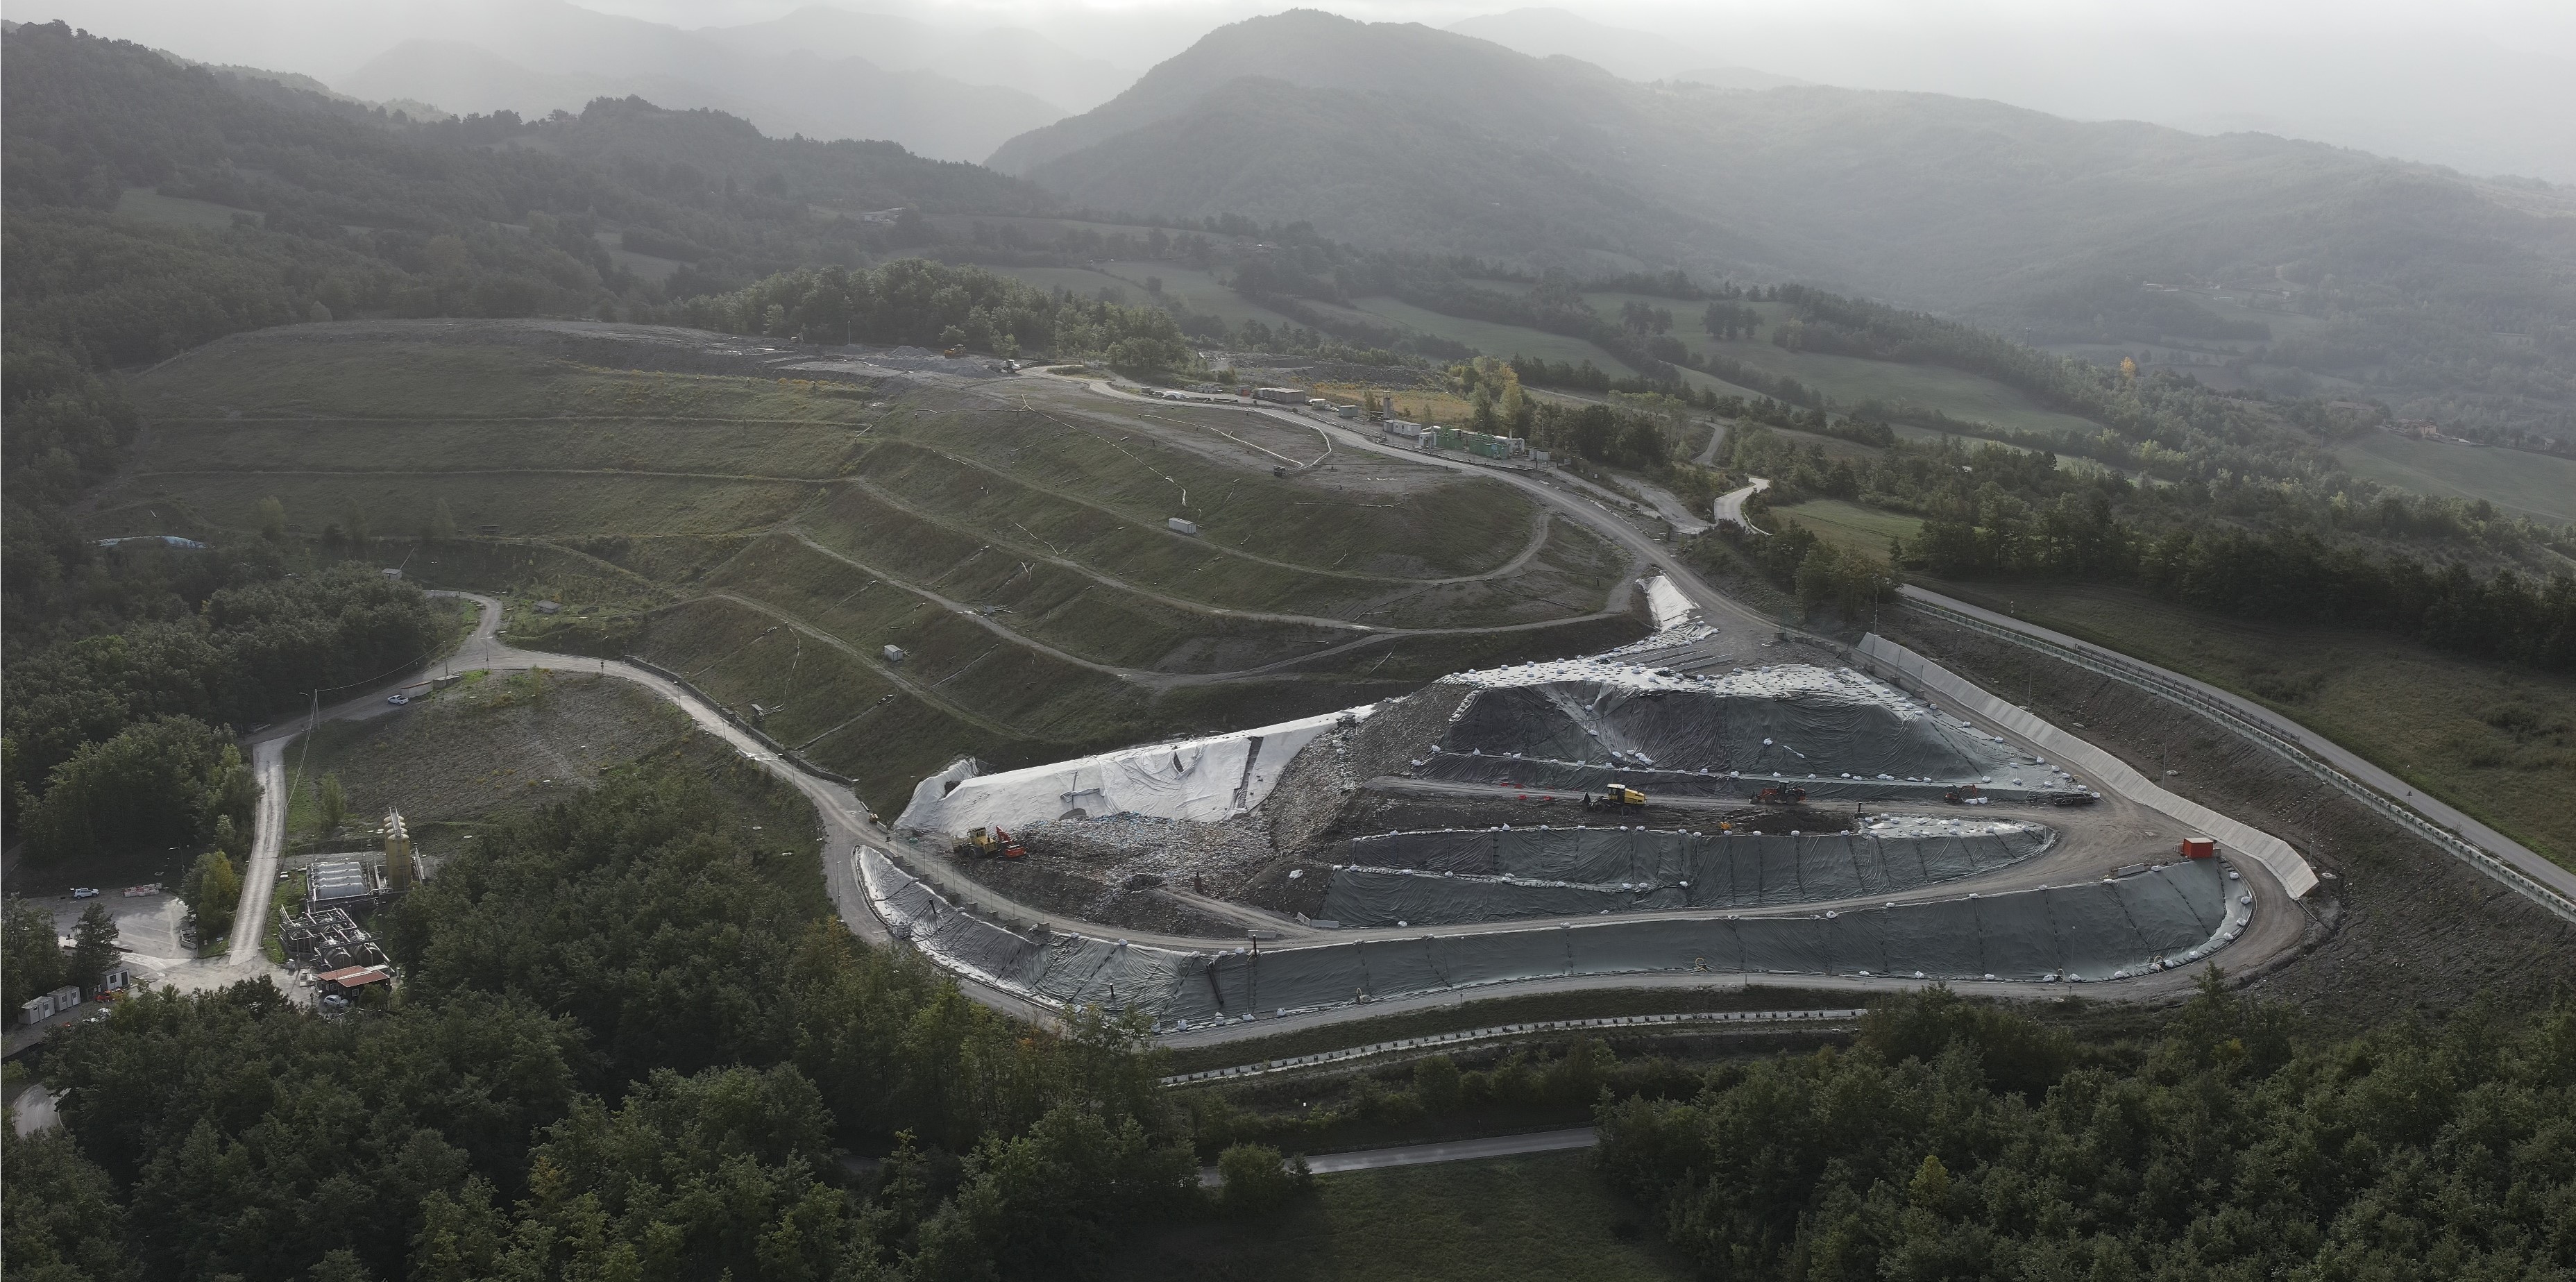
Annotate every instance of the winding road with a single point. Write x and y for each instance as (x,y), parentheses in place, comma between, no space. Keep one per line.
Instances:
(848,827)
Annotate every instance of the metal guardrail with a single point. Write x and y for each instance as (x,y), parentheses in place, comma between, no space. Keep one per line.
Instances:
(2280,745)
(1434,1041)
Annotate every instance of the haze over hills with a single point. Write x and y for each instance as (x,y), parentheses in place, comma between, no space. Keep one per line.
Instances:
(942,90)
(2401,83)
(549,55)
(1402,136)
(1015,57)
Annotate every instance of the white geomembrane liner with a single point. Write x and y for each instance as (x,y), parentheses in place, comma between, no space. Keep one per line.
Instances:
(1670,608)
(1198,779)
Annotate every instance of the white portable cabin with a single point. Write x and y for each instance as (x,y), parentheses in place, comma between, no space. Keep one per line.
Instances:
(1183,527)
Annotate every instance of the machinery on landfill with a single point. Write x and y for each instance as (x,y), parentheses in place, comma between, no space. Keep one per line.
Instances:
(990,843)
(1617,796)
(1959,795)
(1778,794)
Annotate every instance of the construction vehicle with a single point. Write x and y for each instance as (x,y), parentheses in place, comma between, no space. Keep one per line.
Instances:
(1776,794)
(1958,795)
(990,843)
(1618,795)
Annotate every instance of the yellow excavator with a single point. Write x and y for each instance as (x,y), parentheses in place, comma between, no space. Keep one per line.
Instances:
(990,843)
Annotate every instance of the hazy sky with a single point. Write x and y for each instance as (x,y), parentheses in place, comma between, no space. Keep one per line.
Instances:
(2488,86)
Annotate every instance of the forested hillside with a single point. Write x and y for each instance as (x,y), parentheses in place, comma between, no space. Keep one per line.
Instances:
(633,1044)
(2455,298)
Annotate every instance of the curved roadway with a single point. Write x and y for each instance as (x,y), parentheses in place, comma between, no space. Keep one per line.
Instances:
(848,827)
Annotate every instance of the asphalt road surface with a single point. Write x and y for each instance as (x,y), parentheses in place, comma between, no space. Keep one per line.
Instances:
(1378,1159)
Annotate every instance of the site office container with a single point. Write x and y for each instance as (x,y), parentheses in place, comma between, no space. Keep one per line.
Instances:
(36,1010)
(2199,847)
(1280,395)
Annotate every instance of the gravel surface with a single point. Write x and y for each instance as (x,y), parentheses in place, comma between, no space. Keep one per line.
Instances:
(2397,926)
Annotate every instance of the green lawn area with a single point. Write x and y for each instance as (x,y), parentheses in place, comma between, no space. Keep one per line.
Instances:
(1850,378)
(1543,1216)
(1197,290)
(1493,339)
(2495,741)
(153,207)
(1850,525)
(2534,485)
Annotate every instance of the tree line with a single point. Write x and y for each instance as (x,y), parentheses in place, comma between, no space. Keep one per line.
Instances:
(1959,1141)
(2240,547)
(632,1042)
(917,301)
(113,739)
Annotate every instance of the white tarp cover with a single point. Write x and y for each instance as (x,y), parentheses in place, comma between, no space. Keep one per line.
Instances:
(1200,779)
(1671,609)
(2276,855)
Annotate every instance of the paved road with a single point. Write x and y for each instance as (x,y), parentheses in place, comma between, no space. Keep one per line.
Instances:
(35,1110)
(1491,1146)
(268,837)
(2524,860)
(1730,505)
(1675,512)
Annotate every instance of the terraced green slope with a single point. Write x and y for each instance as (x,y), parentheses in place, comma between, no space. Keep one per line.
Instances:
(770,538)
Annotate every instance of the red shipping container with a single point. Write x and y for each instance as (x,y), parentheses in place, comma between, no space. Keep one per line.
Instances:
(2199,847)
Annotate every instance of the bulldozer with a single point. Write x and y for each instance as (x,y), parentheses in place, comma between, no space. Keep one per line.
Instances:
(990,843)
(1617,796)
(1774,794)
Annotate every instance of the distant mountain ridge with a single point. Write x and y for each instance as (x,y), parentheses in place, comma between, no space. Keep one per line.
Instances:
(796,93)
(1399,136)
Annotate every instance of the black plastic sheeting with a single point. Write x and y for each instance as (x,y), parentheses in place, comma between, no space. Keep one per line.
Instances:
(2098,930)
(1450,877)
(1686,736)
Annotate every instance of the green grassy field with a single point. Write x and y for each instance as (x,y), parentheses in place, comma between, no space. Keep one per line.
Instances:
(1491,338)
(2495,741)
(481,746)
(2534,485)
(1850,525)
(152,207)
(770,538)
(1508,1219)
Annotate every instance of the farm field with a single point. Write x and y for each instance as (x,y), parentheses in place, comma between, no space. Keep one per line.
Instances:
(1542,1216)
(1493,339)
(1850,379)
(895,576)
(2533,485)
(1851,526)
(150,206)
(2497,742)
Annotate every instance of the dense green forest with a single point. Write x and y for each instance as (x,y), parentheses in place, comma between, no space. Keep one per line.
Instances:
(2240,544)
(915,301)
(1955,1141)
(633,1044)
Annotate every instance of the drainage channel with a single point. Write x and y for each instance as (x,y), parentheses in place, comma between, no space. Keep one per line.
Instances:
(1435,1041)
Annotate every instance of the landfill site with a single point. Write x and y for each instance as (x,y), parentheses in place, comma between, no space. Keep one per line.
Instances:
(1667,809)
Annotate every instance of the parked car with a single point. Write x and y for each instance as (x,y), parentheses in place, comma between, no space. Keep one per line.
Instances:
(84,892)
(398,700)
